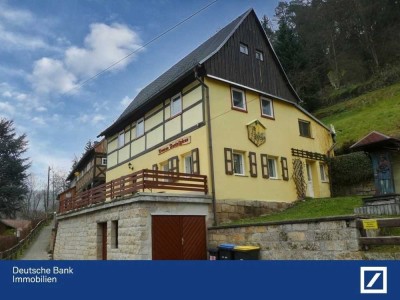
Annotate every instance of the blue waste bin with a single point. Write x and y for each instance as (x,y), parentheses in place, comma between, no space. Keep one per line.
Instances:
(226,252)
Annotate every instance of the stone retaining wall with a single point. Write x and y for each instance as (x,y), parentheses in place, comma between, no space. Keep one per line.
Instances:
(79,236)
(231,210)
(326,238)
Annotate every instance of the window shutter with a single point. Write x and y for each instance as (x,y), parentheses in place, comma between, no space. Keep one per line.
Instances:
(195,161)
(228,161)
(264,166)
(253,164)
(285,171)
(173,164)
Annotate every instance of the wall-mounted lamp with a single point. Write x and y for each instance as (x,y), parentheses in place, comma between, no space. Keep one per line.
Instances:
(130,166)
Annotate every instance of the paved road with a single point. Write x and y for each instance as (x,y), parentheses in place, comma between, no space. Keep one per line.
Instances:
(38,250)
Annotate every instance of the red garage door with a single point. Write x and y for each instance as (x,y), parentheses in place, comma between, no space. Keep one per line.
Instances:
(179,237)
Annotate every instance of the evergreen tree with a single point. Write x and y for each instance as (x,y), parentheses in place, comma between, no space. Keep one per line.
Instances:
(88,146)
(267,26)
(12,169)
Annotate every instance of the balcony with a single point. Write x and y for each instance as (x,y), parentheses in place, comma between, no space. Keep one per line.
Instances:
(125,186)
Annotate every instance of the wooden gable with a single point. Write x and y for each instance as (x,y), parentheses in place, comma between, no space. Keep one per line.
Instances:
(245,69)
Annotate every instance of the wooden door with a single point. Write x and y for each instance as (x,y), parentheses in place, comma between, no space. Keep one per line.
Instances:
(310,184)
(194,238)
(178,238)
(166,237)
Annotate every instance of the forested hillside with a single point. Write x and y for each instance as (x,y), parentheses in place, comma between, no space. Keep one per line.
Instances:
(333,50)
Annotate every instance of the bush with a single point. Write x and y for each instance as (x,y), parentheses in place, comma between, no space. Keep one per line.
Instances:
(350,169)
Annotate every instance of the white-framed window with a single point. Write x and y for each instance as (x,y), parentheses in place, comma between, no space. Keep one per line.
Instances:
(238,163)
(323,172)
(188,164)
(176,105)
(121,139)
(272,169)
(305,128)
(238,99)
(259,55)
(139,127)
(244,49)
(267,108)
(104,161)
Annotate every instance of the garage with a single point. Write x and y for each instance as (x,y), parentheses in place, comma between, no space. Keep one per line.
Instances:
(179,237)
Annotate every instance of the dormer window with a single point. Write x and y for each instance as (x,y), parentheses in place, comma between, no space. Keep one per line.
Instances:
(259,55)
(244,49)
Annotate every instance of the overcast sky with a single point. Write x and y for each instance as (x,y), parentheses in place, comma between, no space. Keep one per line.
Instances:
(48,48)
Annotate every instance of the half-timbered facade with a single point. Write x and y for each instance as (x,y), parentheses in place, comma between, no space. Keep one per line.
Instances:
(227,111)
(90,171)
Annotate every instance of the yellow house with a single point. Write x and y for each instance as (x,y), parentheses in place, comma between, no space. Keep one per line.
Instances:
(228,111)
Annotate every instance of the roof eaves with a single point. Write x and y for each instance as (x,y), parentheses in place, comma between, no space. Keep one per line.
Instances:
(363,138)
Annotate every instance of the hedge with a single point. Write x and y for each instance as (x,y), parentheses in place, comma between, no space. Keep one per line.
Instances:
(350,169)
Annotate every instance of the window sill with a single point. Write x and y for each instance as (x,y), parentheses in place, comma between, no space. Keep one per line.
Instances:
(274,178)
(268,117)
(308,137)
(324,181)
(240,175)
(239,109)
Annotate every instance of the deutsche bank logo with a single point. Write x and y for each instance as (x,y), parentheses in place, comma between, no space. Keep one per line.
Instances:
(373,280)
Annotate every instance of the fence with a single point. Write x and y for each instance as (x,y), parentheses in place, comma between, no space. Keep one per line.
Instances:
(139,181)
(366,241)
(13,252)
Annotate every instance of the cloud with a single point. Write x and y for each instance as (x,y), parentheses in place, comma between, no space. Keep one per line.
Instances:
(105,45)
(125,101)
(7,108)
(20,29)
(39,121)
(92,119)
(49,75)
(98,119)
(14,95)
(15,40)
(15,16)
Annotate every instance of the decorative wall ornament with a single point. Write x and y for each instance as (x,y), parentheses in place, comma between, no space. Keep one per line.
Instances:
(256,132)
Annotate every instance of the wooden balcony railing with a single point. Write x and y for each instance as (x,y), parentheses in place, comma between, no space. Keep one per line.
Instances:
(152,180)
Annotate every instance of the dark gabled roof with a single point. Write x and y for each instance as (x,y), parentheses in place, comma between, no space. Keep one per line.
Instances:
(184,68)
(181,69)
(375,139)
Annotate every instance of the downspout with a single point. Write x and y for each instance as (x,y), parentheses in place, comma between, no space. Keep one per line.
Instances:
(330,150)
(210,144)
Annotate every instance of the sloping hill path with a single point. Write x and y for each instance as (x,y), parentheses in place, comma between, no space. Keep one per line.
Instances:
(38,249)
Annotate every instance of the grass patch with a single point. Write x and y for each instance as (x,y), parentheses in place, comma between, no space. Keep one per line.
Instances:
(311,208)
(355,118)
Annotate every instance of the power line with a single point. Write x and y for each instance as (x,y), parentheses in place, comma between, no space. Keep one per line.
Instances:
(138,49)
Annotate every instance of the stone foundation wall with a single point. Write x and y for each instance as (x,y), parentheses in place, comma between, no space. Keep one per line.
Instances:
(79,235)
(327,238)
(231,210)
